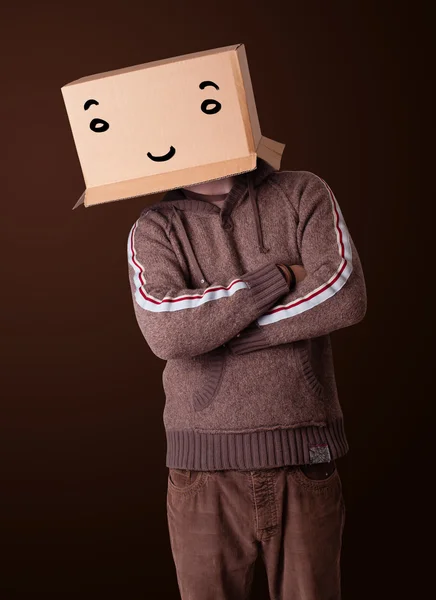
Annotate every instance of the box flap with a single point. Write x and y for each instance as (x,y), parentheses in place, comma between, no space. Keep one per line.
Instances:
(80,201)
(271,151)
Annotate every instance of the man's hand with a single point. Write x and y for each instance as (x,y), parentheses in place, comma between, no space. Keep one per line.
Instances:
(300,272)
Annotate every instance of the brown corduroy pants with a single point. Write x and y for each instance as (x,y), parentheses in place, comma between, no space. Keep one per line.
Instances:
(219,521)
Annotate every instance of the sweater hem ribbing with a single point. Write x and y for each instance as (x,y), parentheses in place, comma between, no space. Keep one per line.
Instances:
(261,449)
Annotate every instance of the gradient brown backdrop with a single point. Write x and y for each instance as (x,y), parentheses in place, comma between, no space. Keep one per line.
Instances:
(83,476)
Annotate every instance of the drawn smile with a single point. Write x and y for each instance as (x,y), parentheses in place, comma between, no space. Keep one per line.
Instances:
(166,156)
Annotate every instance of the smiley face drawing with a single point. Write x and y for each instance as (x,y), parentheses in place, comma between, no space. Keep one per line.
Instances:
(100,125)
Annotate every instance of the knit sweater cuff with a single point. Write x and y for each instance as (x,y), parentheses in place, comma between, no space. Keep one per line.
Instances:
(250,339)
(267,285)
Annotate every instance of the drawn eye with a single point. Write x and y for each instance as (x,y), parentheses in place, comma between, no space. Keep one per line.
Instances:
(210,111)
(98,125)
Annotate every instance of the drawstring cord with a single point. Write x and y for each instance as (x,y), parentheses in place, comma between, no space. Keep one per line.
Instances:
(187,246)
(255,208)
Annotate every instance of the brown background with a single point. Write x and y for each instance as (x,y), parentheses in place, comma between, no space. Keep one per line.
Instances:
(83,476)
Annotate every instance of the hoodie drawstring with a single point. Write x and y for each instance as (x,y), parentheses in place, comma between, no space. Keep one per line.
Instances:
(187,244)
(253,199)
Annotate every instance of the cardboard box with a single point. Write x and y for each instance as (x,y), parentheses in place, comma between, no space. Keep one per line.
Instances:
(166,124)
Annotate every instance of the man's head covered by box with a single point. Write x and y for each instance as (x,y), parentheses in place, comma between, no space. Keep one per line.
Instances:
(166,124)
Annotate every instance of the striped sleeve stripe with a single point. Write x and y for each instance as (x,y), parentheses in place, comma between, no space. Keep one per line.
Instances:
(169,303)
(328,288)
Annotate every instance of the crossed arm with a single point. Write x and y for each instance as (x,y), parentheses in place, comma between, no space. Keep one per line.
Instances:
(331,296)
(256,310)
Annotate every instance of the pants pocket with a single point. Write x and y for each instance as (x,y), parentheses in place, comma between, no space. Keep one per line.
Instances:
(318,471)
(185,481)
(303,475)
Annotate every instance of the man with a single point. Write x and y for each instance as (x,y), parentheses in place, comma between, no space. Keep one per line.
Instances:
(237,283)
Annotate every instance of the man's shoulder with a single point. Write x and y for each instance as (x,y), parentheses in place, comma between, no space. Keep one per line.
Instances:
(298,184)
(298,178)
(152,219)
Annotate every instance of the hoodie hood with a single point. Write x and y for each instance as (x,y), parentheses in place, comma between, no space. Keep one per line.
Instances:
(182,200)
